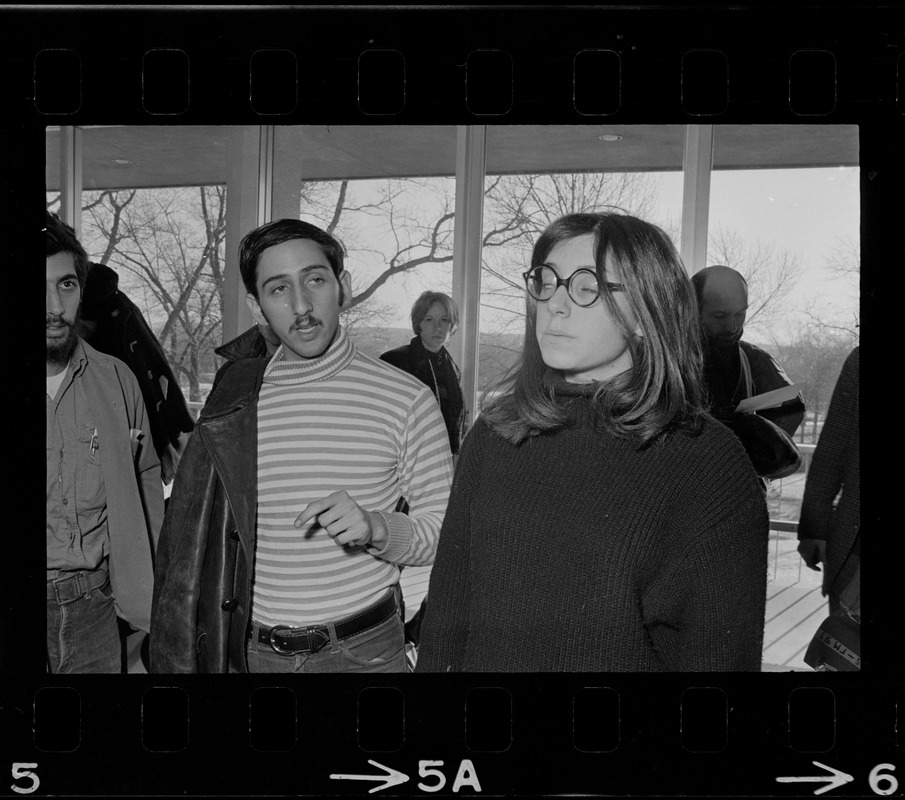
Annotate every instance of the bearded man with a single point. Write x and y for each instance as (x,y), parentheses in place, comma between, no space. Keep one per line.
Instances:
(735,369)
(104,492)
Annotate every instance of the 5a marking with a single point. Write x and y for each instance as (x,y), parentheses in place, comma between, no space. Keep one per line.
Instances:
(465,776)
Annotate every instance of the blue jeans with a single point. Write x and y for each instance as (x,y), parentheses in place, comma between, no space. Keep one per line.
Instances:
(82,634)
(380,649)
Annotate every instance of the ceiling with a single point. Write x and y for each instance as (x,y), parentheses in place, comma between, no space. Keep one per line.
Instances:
(149,156)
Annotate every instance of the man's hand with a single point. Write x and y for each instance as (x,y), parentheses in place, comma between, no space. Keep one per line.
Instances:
(343,519)
(813,552)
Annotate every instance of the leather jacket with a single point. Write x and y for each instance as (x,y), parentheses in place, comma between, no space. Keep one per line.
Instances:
(203,570)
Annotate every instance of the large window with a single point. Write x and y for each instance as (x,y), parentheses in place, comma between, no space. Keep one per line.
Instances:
(388,193)
(160,229)
(793,232)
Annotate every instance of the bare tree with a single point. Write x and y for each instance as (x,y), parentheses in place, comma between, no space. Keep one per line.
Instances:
(843,264)
(386,231)
(771,273)
(844,259)
(167,245)
(813,358)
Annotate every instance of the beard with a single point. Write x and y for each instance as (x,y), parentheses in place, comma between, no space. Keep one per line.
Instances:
(60,349)
(723,346)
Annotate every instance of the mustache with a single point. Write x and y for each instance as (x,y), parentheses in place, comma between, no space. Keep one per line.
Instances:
(305,322)
(56,320)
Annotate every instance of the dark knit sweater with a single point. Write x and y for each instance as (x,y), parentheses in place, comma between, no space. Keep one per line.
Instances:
(575,551)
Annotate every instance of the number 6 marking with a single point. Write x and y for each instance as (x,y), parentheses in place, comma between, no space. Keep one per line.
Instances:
(876,778)
(22,770)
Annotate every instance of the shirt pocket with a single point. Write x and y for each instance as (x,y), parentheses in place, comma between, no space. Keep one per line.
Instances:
(89,481)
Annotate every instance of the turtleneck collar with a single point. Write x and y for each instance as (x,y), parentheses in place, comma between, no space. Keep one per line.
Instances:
(336,357)
(563,388)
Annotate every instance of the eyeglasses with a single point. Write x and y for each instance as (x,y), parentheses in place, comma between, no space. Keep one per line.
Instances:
(582,285)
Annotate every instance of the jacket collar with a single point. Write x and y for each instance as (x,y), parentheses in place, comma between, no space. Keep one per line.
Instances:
(238,388)
(249,344)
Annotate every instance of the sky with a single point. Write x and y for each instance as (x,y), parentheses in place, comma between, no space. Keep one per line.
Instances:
(806,212)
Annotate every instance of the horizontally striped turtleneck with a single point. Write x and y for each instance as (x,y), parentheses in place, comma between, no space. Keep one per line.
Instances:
(342,421)
(282,371)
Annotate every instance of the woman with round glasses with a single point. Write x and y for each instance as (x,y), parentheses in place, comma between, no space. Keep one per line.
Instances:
(600,520)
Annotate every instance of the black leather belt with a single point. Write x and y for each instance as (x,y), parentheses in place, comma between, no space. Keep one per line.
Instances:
(72,586)
(289,641)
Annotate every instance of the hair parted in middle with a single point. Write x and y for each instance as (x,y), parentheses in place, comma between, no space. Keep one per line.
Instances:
(423,304)
(283,230)
(662,389)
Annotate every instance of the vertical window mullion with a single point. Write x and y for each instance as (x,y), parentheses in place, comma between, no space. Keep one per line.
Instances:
(71,177)
(697,165)
(468,233)
(249,189)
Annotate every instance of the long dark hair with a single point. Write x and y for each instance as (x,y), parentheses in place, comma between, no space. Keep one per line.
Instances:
(662,389)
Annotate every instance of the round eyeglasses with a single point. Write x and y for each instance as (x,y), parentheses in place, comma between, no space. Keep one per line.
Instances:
(582,285)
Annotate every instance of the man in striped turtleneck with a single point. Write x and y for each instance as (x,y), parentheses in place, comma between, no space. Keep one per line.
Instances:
(338,439)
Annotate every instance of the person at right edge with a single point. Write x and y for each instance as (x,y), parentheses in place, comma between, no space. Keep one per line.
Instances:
(600,520)
(829,530)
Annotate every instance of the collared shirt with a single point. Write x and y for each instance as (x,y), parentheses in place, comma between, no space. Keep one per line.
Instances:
(77,535)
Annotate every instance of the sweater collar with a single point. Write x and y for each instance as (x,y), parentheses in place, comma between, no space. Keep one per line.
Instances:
(334,359)
(417,347)
(563,388)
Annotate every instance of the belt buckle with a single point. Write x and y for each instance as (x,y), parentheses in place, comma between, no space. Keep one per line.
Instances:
(272,642)
(315,643)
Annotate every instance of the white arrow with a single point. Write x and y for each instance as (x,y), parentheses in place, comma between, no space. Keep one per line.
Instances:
(833,781)
(392,777)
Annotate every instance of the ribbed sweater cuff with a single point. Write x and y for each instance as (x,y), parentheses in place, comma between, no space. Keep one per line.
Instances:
(399,539)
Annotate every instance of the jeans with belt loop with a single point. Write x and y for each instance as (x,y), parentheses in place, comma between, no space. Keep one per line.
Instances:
(82,633)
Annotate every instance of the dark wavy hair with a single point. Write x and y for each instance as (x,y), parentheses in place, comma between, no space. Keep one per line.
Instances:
(283,230)
(662,389)
(61,239)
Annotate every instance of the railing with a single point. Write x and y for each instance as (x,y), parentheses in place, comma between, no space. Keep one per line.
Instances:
(783,530)
(797,480)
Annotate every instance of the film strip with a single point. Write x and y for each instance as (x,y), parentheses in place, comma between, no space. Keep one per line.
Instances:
(781,734)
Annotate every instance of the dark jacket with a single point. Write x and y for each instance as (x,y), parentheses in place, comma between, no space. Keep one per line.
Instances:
(445,382)
(831,507)
(725,385)
(250,344)
(115,326)
(202,590)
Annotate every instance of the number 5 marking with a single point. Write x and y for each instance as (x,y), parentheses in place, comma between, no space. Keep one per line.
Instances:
(22,770)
